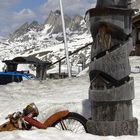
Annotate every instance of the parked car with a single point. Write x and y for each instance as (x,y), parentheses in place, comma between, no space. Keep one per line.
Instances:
(8,77)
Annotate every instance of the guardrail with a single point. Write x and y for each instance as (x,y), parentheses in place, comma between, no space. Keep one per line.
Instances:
(70,54)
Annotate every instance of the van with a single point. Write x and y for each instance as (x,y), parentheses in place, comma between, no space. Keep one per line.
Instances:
(8,77)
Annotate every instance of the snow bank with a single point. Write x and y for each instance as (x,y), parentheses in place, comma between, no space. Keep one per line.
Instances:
(55,95)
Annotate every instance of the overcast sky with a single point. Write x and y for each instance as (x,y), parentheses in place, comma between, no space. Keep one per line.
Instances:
(14,13)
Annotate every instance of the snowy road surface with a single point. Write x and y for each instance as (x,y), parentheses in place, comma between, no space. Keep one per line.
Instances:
(51,96)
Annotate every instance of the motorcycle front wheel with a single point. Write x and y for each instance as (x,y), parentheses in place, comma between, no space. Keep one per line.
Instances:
(73,122)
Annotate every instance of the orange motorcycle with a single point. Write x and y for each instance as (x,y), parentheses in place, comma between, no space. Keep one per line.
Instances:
(62,120)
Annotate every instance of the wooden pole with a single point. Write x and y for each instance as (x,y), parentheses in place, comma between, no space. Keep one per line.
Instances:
(112,90)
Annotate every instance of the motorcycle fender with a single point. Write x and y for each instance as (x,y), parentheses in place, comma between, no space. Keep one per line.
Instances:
(56,117)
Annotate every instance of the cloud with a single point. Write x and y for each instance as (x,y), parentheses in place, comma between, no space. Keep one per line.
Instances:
(5,4)
(71,7)
(10,20)
(24,14)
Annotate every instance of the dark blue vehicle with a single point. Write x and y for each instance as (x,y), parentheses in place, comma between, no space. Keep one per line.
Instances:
(8,77)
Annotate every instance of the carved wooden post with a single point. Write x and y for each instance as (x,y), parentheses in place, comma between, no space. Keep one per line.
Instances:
(112,90)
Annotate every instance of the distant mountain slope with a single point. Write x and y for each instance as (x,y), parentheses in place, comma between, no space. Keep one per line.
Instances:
(45,41)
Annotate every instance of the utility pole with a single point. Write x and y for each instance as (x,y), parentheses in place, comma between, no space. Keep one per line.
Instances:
(65,40)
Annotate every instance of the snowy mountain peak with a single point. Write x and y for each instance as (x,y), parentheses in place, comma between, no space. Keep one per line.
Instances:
(53,21)
(71,23)
(35,26)
(46,41)
(25,28)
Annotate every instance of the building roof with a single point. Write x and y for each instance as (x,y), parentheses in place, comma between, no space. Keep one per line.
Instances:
(27,60)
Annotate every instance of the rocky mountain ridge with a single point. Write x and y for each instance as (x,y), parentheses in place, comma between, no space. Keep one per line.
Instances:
(26,27)
(55,23)
(54,19)
(45,41)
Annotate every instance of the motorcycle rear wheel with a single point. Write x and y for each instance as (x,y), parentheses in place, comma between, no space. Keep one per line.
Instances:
(73,122)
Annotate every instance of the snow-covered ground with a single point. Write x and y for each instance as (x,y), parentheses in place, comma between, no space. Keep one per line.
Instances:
(54,95)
